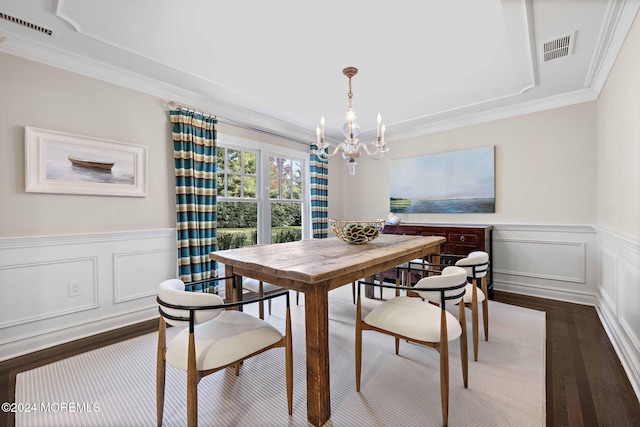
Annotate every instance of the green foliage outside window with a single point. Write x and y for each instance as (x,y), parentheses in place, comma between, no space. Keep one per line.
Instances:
(237,178)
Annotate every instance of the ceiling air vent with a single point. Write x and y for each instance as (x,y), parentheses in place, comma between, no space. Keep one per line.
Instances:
(26,24)
(557,48)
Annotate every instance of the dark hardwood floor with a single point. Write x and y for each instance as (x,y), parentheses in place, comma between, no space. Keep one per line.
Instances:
(586,384)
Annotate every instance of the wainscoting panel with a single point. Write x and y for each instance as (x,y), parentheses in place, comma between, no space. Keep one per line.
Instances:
(619,295)
(549,261)
(56,289)
(609,280)
(629,313)
(133,278)
(517,255)
(38,290)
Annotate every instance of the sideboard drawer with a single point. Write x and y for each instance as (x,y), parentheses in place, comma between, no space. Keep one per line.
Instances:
(466,239)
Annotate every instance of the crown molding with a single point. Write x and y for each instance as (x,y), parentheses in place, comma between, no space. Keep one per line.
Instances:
(39,52)
(619,17)
(557,101)
(23,47)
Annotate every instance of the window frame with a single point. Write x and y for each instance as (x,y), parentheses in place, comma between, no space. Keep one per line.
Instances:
(263,152)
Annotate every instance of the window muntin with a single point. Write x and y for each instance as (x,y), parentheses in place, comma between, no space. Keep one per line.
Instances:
(285,178)
(237,173)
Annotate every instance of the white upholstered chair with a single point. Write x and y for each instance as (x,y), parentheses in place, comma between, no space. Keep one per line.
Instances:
(477,265)
(215,336)
(419,321)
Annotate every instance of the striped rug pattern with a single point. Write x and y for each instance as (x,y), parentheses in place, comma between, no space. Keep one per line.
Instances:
(115,385)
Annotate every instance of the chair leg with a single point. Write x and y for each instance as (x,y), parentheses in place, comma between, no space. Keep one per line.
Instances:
(289,362)
(485,308)
(261,303)
(474,321)
(192,385)
(464,350)
(269,302)
(161,371)
(358,343)
(444,369)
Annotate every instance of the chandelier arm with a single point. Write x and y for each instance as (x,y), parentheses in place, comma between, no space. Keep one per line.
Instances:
(323,154)
(377,154)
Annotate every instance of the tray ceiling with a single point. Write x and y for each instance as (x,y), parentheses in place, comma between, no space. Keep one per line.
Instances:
(424,65)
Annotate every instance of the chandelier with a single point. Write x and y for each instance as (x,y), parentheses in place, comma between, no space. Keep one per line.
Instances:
(351,146)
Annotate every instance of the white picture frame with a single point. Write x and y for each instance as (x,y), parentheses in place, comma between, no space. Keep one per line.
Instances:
(63,163)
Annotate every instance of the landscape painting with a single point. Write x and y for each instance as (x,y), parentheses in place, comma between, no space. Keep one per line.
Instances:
(460,181)
(58,162)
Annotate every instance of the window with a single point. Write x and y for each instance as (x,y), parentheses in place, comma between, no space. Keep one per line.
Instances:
(237,197)
(285,196)
(261,193)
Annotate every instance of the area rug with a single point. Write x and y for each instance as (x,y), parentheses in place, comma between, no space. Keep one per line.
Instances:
(115,385)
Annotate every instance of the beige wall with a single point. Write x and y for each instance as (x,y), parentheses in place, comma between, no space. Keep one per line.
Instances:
(618,213)
(545,169)
(37,95)
(619,143)
(41,96)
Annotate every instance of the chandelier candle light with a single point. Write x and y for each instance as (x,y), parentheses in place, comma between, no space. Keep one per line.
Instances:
(351,145)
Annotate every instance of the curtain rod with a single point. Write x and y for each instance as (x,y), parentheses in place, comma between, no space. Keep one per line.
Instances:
(173,105)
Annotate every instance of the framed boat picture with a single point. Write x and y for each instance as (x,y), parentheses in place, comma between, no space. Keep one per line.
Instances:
(460,181)
(58,162)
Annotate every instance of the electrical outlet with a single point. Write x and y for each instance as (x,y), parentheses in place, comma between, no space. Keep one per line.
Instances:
(74,288)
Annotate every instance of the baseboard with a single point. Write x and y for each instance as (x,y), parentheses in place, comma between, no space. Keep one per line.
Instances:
(583,298)
(29,344)
(627,353)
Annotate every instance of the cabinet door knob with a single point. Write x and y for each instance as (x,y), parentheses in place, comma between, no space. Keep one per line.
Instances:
(462,238)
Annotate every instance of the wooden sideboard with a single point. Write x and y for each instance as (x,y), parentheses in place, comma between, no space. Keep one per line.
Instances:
(461,240)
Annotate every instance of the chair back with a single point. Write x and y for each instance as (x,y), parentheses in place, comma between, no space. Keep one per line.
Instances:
(173,292)
(448,287)
(476,264)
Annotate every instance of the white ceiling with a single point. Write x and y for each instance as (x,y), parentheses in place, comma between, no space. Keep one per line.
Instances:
(425,65)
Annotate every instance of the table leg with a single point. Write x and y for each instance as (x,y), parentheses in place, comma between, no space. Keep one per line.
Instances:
(233,287)
(229,286)
(317,336)
(368,289)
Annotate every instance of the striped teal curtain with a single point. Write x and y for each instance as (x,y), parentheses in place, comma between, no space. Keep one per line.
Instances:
(194,148)
(319,195)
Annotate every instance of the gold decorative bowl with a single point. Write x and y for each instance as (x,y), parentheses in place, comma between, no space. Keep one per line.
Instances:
(357,232)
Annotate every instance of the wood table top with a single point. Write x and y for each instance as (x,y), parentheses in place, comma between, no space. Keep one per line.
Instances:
(322,260)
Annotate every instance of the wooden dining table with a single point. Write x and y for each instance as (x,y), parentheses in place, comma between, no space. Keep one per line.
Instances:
(316,266)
